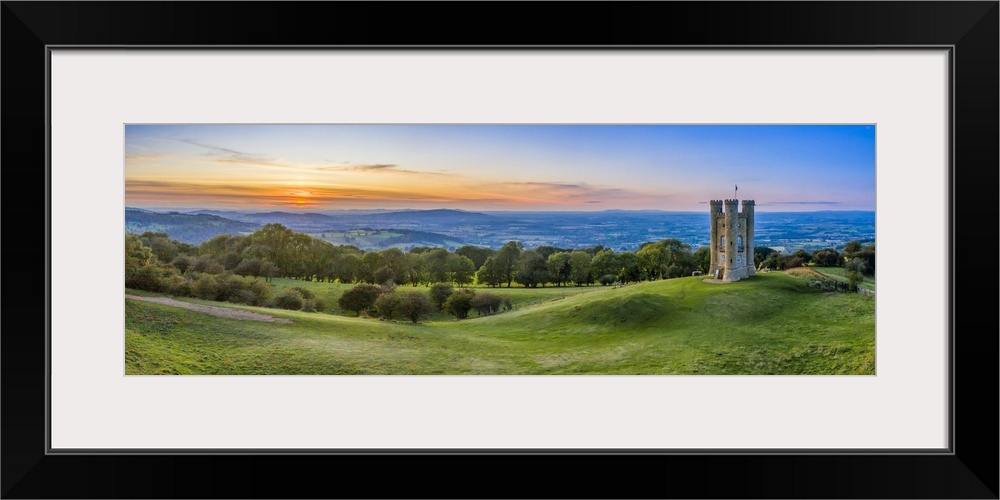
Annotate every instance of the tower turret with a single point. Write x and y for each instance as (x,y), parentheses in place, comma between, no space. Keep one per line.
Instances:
(715,219)
(731,232)
(748,217)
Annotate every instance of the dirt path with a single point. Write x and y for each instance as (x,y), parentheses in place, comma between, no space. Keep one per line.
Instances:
(221,312)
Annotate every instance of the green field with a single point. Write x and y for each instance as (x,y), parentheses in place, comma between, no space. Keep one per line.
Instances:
(520,297)
(772,324)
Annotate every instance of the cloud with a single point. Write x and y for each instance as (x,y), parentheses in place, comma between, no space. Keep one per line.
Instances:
(181,186)
(577,192)
(238,157)
(216,148)
(375,166)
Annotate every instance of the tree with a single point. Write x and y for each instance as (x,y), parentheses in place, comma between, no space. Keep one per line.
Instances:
(182,263)
(319,259)
(759,255)
(702,259)
(415,267)
(436,265)
(385,274)
(506,260)
(652,260)
(370,263)
(359,298)
(546,251)
(604,263)
(477,255)
(629,271)
(387,304)
(802,256)
(623,265)
(826,257)
(461,269)
(249,267)
(136,253)
(347,267)
(580,268)
(459,303)
(440,293)
(395,260)
(415,305)
(486,303)
(850,248)
(867,255)
(532,269)
(163,247)
(290,299)
(855,275)
(273,243)
(559,267)
(490,273)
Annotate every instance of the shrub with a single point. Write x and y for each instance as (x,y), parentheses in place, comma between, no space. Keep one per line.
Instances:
(415,305)
(313,305)
(290,299)
(387,304)
(182,263)
(261,293)
(486,303)
(245,297)
(306,294)
(507,304)
(205,287)
(231,287)
(144,278)
(179,286)
(440,293)
(360,298)
(608,279)
(459,303)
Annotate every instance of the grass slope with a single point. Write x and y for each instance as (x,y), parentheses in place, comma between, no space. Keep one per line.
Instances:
(520,297)
(772,324)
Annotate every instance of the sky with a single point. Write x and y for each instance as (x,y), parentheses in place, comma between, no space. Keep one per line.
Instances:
(316,168)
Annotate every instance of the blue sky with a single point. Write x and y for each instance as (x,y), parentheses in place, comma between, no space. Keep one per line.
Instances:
(499,167)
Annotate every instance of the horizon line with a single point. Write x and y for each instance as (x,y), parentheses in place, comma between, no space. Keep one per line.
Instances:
(321,210)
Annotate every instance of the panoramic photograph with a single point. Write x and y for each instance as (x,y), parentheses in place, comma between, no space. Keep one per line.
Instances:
(451,249)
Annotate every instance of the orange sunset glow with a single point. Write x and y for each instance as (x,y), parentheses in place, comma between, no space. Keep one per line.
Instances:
(331,167)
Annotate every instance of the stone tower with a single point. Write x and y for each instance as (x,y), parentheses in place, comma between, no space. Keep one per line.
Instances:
(732,240)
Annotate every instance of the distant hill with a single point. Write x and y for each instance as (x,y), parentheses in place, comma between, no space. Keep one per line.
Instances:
(315,222)
(298,222)
(189,228)
(377,239)
(436,216)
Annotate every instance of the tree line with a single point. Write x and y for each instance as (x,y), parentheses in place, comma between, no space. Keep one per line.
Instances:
(276,251)
(227,267)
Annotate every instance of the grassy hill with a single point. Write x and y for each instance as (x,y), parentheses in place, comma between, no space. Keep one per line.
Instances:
(773,324)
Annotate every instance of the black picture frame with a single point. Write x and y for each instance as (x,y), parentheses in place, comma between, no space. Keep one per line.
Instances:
(969,28)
